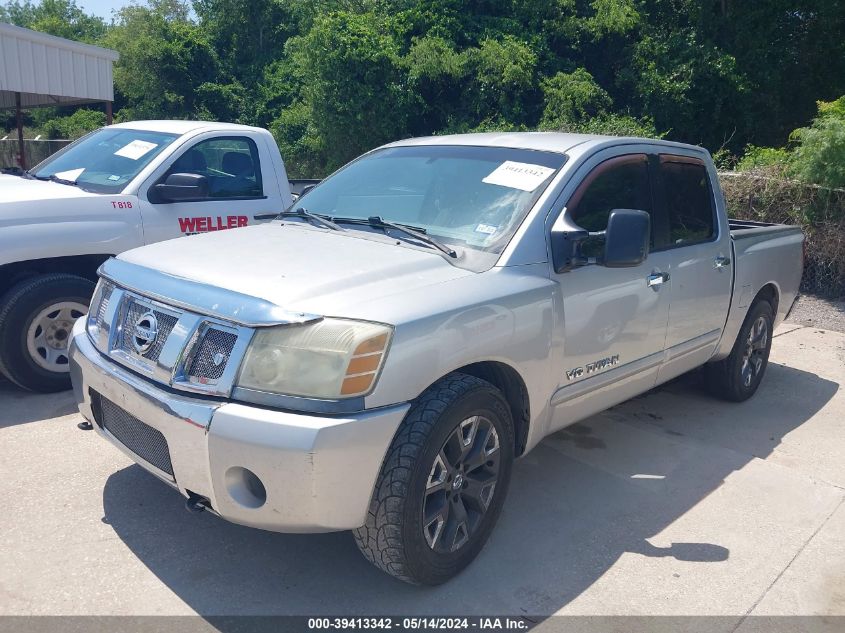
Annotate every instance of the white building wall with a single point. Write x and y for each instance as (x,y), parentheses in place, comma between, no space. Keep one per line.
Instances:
(51,70)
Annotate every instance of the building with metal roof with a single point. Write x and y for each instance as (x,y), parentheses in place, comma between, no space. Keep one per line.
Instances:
(38,70)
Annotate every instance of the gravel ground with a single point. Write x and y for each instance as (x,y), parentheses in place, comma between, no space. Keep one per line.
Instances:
(819,313)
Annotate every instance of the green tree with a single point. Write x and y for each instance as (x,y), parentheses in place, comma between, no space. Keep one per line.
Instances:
(505,81)
(571,98)
(352,88)
(73,126)
(436,77)
(63,18)
(168,68)
(820,153)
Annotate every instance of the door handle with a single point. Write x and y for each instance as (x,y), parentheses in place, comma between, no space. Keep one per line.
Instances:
(657,279)
(265,216)
(721,262)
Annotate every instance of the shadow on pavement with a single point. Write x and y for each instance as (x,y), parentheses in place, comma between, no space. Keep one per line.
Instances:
(18,406)
(579,501)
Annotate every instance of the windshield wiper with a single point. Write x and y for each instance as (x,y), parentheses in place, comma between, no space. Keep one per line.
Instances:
(418,233)
(314,218)
(62,181)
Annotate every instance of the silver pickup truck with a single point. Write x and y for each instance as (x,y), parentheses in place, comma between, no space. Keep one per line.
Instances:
(376,358)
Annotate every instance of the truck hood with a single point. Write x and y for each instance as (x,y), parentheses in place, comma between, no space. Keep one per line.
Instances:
(16,189)
(297,267)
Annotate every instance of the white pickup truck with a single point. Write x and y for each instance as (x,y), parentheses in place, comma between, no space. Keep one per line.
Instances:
(376,359)
(119,187)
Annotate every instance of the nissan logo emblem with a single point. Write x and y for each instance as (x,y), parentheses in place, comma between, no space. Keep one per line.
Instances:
(145,332)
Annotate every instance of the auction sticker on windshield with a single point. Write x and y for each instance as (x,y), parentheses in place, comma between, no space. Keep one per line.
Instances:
(135,149)
(70,174)
(524,176)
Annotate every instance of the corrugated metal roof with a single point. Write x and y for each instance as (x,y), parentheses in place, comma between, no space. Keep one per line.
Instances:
(50,70)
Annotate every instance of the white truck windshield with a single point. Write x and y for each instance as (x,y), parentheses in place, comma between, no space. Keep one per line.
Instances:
(104,161)
(473,197)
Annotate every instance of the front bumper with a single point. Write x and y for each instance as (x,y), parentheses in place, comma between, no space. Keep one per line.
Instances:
(317,472)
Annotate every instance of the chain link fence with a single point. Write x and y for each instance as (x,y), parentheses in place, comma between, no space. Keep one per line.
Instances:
(36,151)
(768,196)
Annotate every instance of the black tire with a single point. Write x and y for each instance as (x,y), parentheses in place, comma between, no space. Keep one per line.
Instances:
(730,379)
(18,308)
(394,538)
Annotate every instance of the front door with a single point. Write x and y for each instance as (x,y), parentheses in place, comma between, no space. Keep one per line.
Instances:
(236,192)
(612,320)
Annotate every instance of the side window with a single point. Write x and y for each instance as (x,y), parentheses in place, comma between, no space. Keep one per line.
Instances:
(230,164)
(689,202)
(617,183)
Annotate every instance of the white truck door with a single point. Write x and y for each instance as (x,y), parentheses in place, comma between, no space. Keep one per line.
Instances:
(611,321)
(240,186)
(699,242)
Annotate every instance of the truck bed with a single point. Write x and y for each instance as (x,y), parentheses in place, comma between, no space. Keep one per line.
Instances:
(744,229)
(762,252)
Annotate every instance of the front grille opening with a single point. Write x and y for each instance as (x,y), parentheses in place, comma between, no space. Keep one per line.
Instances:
(143,440)
(211,357)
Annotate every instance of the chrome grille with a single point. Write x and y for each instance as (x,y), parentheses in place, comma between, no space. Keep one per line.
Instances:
(180,348)
(134,311)
(143,440)
(105,296)
(211,356)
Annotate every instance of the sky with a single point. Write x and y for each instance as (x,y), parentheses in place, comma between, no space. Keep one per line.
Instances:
(105,8)
(102,8)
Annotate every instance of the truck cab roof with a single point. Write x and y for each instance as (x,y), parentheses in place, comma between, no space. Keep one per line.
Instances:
(183,127)
(560,142)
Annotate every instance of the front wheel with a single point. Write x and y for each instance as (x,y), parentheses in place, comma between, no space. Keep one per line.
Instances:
(443,482)
(737,377)
(36,319)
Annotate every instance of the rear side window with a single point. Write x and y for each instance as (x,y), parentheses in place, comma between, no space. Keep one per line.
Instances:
(689,203)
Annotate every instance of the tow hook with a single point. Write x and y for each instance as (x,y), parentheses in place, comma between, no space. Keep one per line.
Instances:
(196,503)
(85,425)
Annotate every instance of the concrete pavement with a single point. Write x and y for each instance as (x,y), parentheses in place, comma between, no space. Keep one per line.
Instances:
(672,503)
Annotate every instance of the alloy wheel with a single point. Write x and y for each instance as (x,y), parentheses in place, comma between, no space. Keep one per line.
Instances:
(461,484)
(755,351)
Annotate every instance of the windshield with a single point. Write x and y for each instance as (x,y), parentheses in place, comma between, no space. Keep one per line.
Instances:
(104,161)
(472,197)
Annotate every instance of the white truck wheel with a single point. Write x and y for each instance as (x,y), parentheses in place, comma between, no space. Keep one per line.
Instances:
(36,319)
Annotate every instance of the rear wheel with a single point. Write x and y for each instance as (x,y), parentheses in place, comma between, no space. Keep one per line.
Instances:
(443,482)
(36,319)
(737,377)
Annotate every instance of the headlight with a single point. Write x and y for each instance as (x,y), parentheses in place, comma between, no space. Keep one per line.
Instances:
(333,358)
(97,308)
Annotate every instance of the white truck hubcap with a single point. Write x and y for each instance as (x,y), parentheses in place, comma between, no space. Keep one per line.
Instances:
(49,335)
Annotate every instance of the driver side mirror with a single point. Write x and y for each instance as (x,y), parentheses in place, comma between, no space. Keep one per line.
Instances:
(626,238)
(626,241)
(182,187)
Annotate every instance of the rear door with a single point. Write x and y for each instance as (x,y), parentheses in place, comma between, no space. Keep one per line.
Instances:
(612,321)
(237,188)
(698,241)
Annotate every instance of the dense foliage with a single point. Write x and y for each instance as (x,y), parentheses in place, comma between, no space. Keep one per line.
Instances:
(332,78)
(814,154)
